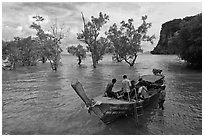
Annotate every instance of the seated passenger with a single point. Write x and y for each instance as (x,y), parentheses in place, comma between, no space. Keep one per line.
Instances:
(141,82)
(109,88)
(133,91)
(143,92)
(157,72)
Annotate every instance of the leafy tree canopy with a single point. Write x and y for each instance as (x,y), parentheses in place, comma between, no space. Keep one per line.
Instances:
(78,51)
(127,39)
(90,35)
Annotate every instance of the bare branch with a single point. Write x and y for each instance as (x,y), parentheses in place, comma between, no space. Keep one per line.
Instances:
(83,20)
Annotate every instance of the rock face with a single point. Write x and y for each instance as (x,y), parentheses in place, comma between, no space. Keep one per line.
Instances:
(168,32)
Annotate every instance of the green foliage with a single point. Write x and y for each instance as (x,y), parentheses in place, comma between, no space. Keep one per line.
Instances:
(78,51)
(90,36)
(127,39)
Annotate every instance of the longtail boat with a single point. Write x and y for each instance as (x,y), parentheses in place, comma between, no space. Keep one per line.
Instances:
(109,109)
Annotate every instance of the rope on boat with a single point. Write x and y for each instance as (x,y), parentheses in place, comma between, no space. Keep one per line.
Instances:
(93,105)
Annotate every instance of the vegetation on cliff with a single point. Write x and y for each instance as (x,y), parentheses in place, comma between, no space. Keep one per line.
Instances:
(169,30)
(188,43)
(184,38)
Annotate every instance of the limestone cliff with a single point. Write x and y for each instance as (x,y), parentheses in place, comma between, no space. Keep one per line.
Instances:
(168,31)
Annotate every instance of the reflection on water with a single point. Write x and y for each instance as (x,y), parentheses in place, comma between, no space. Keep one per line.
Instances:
(39,101)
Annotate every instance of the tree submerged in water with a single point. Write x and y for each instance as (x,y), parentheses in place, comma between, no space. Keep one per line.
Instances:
(49,42)
(90,35)
(127,40)
(21,52)
(124,42)
(78,51)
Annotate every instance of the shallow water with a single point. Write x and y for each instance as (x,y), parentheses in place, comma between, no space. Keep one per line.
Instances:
(39,101)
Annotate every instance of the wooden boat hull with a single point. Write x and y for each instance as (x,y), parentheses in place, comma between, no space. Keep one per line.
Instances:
(109,111)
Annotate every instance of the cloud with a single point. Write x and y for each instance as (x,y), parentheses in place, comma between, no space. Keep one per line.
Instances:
(17,16)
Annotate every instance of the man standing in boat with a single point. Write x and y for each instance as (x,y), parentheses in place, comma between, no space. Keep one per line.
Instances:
(126,86)
(109,88)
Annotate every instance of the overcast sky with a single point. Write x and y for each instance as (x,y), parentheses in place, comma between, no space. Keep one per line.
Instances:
(17,17)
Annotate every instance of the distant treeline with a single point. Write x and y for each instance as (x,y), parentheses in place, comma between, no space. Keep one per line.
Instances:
(28,51)
(184,38)
(123,41)
(21,51)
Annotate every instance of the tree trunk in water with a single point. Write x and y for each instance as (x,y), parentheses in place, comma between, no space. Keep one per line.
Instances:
(43,60)
(131,64)
(94,61)
(118,58)
(53,65)
(13,65)
(133,61)
(79,63)
(127,61)
(93,54)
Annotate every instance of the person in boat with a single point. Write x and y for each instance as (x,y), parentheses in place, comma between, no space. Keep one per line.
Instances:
(141,82)
(142,89)
(143,92)
(162,96)
(126,87)
(133,90)
(109,88)
(157,72)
